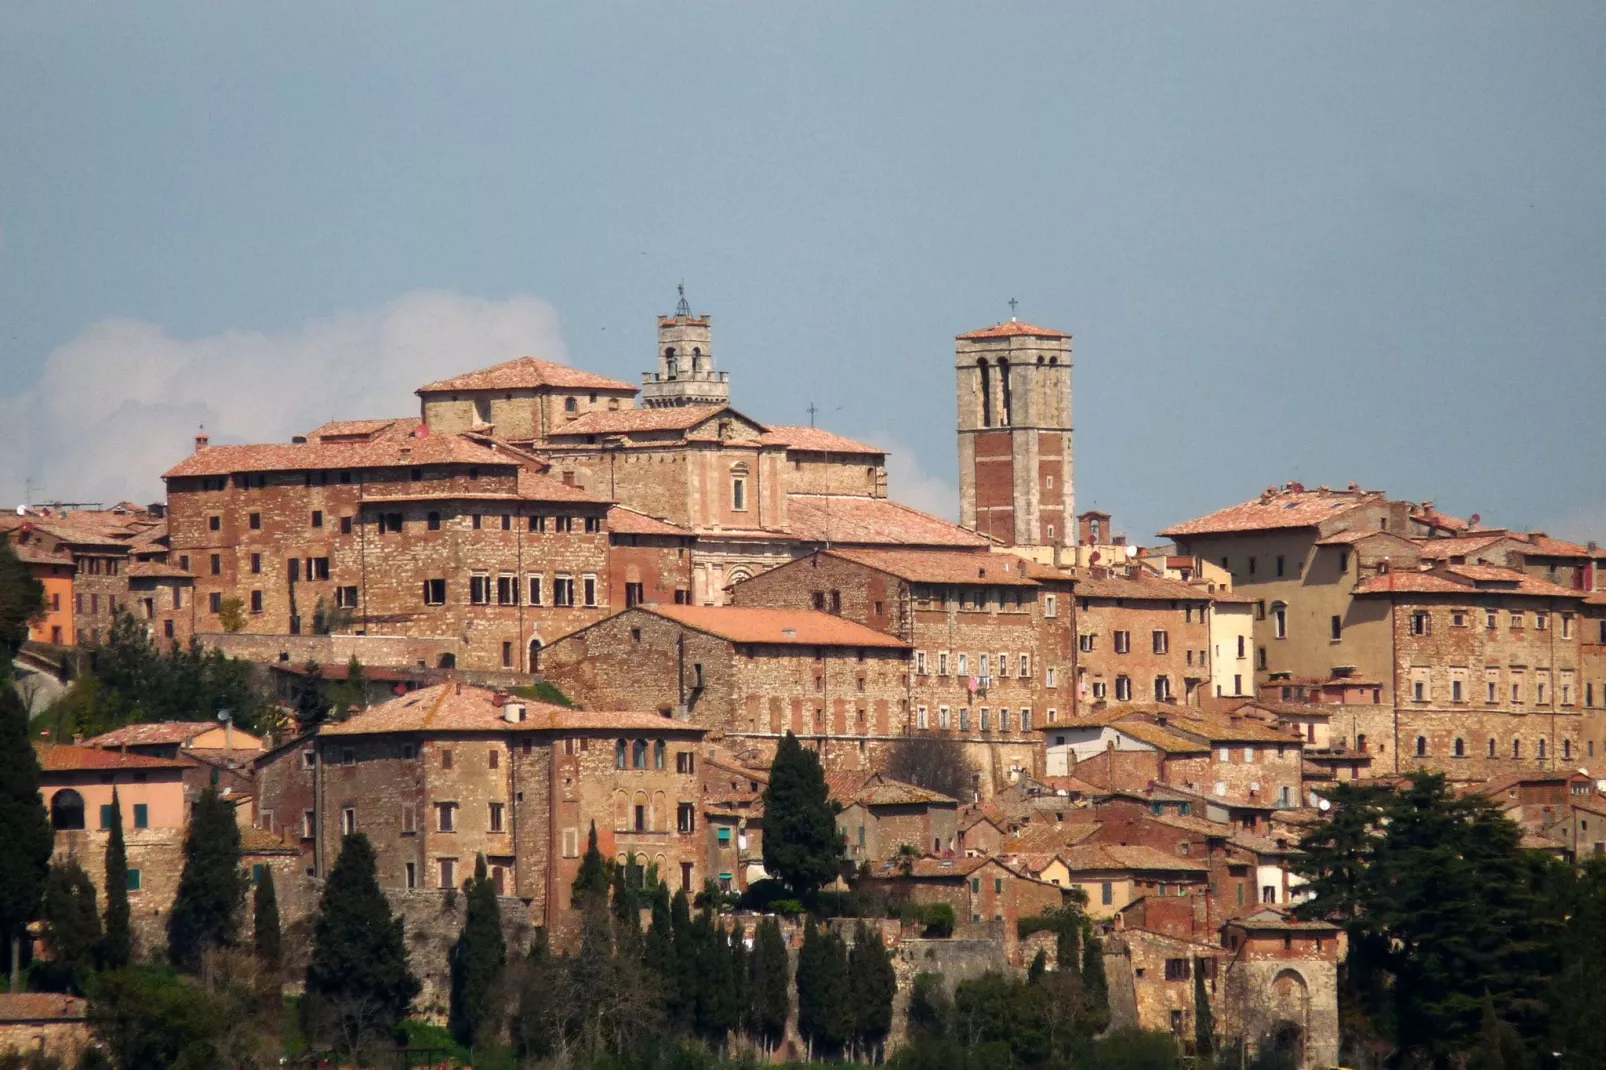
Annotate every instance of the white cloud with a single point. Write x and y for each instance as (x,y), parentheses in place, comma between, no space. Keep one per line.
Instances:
(121,403)
(910,484)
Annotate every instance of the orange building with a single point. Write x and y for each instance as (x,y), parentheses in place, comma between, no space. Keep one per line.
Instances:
(54,569)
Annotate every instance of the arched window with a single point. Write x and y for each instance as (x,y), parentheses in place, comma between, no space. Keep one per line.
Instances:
(1421,746)
(638,755)
(1491,746)
(619,754)
(696,360)
(671,363)
(535,654)
(1008,403)
(1541,749)
(1460,747)
(658,751)
(448,661)
(986,374)
(570,405)
(67,809)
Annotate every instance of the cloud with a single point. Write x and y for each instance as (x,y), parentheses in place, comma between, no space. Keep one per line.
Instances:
(910,484)
(120,404)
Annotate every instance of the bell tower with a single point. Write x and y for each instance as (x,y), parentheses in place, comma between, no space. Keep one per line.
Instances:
(685,374)
(1015,461)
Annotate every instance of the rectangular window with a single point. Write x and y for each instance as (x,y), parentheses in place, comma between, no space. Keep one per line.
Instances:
(445,817)
(588,589)
(409,820)
(135,880)
(1336,627)
(496,817)
(345,525)
(317,518)
(1162,642)
(479,590)
(1026,720)
(1516,618)
(920,663)
(1050,605)
(214,602)
(1279,619)
(217,564)
(411,871)
(507,590)
(942,718)
(1051,677)
(1421,623)
(922,717)
(1566,625)
(536,583)
(1025,665)
(448,872)
(563,591)
(1123,642)
(1085,642)
(309,824)
(348,821)
(634,594)
(1107,893)
(256,601)
(434,592)
(942,663)
(686,818)
(346,597)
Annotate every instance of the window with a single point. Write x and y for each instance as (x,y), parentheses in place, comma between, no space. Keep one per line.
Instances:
(659,750)
(255,520)
(920,663)
(348,756)
(1336,627)
(446,817)
(686,818)
(588,589)
(348,821)
(1541,621)
(1123,689)
(1491,620)
(317,518)
(1051,677)
(433,521)
(563,591)
(685,762)
(1516,618)
(309,824)
(1260,657)
(1421,746)
(346,597)
(507,590)
(1050,605)
(922,717)
(434,592)
(1026,719)
(217,564)
(1178,970)
(507,655)
(142,816)
(1085,642)
(620,751)
(1107,893)
(1025,665)
(496,817)
(390,523)
(477,521)
(135,880)
(256,601)
(942,663)
(638,754)
(409,821)
(411,871)
(214,523)
(345,525)
(1566,625)
(739,493)
(448,872)
(1279,617)
(1162,642)
(1162,689)
(1123,642)
(479,589)
(1279,564)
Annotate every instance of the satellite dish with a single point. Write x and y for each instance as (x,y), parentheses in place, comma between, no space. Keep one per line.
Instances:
(1474,518)
(1324,805)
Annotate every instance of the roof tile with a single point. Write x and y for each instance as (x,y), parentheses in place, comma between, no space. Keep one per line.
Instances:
(526,373)
(775,627)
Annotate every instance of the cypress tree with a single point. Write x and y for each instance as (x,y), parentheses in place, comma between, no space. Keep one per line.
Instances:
(801,844)
(26,838)
(72,929)
(116,947)
(824,1015)
(683,1005)
(770,971)
(741,991)
(658,952)
(1204,1023)
(359,982)
(1095,989)
(478,959)
(206,911)
(22,600)
(591,883)
(872,986)
(266,938)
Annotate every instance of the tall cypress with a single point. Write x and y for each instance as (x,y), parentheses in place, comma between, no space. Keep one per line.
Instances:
(72,929)
(591,883)
(1095,989)
(267,941)
(211,890)
(359,981)
(26,838)
(801,844)
(116,947)
(1204,1023)
(478,959)
(824,1014)
(872,985)
(771,973)
(683,993)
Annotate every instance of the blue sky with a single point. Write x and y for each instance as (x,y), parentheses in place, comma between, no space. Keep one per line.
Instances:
(1327,243)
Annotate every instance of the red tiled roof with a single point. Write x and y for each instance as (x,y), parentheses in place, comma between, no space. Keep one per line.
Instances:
(525,373)
(338,429)
(139,570)
(454,707)
(775,627)
(160,732)
(874,789)
(625,421)
(627,521)
(815,440)
(839,518)
(1140,586)
(531,487)
(389,451)
(1460,546)
(1012,329)
(1278,510)
(1465,579)
(1410,583)
(63,758)
(1096,857)
(1544,546)
(34,553)
(1349,538)
(943,566)
(255,841)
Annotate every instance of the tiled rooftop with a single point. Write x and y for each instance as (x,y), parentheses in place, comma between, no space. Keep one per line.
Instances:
(420,447)
(166,732)
(1277,510)
(526,373)
(943,566)
(627,521)
(65,758)
(1012,329)
(815,440)
(1096,857)
(856,521)
(775,627)
(1091,584)
(625,421)
(456,707)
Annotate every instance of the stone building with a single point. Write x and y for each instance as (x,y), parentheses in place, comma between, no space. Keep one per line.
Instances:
(992,645)
(447,773)
(1139,638)
(748,675)
(47,1024)
(1013,383)
(1279,984)
(880,816)
(77,785)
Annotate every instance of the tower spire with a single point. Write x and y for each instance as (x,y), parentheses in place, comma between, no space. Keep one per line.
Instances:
(684,307)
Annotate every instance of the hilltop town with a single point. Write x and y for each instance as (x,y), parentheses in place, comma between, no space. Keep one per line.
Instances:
(551,603)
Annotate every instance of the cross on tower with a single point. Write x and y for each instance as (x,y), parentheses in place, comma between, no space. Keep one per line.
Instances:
(1012,304)
(811,411)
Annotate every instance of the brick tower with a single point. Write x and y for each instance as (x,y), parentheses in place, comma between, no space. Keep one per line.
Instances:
(1015,472)
(685,374)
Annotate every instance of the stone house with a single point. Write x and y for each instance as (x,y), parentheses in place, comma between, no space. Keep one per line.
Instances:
(1279,984)
(878,816)
(749,674)
(1112,875)
(1140,638)
(979,890)
(44,1023)
(76,785)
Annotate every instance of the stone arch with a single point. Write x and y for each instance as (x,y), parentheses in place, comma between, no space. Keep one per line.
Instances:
(985,375)
(696,360)
(1289,1014)
(738,574)
(671,362)
(67,810)
(658,817)
(1005,395)
(641,817)
(621,811)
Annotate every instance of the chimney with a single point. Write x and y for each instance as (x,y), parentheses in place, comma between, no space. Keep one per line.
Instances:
(512,712)
(499,698)
(201,442)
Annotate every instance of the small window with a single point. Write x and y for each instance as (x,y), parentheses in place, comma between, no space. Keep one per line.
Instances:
(135,881)
(317,518)
(435,592)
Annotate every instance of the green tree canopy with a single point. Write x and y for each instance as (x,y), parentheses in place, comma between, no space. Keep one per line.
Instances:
(770,972)
(266,939)
(72,930)
(801,844)
(478,959)
(824,999)
(872,984)
(117,946)
(211,890)
(26,838)
(22,601)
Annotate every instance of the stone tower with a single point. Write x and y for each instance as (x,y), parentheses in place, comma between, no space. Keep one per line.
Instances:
(1015,471)
(685,374)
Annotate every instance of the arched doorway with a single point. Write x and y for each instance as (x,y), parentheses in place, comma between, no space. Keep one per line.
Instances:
(1290,1016)
(535,655)
(67,810)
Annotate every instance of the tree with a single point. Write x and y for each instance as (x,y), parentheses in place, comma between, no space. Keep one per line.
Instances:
(116,947)
(211,890)
(824,1014)
(543,1026)
(266,940)
(591,883)
(231,614)
(478,959)
(1204,1023)
(1095,1017)
(72,930)
(1575,1005)
(22,601)
(770,974)
(26,838)
(359,982)
(801,843)
(149,1016)
(936,763)
(312,705)
(348,694)
(872,984)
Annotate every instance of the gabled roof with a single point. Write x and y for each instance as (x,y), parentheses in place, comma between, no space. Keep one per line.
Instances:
(418,447)
(1544,546)
(815,440)
(455,707)
(361,430)
(1094,857)
(166,732)
(1276,510)
(835,519)
(1099,583)
(626,421)
(874,789)
(1272,919)
(1465,579)
(1012,329)
(526,373)
(63,758)
(942,566)
(627,521)
(774,627)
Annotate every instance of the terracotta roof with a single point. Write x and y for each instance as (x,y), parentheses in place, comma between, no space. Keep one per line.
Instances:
(1349,538)
(627,521)
(1012,329)
(255,841)
(420,447)
(454,707)
(943,566)
(338,429)
(1275,920)
(625,421)
(1039,837)
(63,758)
(1277,510)
(875,789)
(815,440)
(141,570)
(1545,546)
(162,732)
(1072,785)
(1460,546)
(1464,579)
(1094,857)
(1141,586)
(775,627)
(1233,598)
(928,867)
(41,1007)
(1411,583)
(840,518)
(526,373)
(1160,737)
(34,553)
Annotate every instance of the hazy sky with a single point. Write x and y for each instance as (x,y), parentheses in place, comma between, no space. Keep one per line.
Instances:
(1320,242)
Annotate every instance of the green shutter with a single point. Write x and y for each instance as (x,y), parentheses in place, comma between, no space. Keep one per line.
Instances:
(142,816)
(133,882)
(256,873)
(106,816)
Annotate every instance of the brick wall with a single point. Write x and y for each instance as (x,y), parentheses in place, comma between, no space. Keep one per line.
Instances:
(1186,657)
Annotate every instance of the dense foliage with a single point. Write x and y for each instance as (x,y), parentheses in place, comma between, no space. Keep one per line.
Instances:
(26,838)
(266,939)
(72,931)
(22,600)
(117,944)
(801,844)
(478,959)
(936,763)
(211,889)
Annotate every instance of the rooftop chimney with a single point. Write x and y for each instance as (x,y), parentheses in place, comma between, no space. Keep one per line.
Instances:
(201,442)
